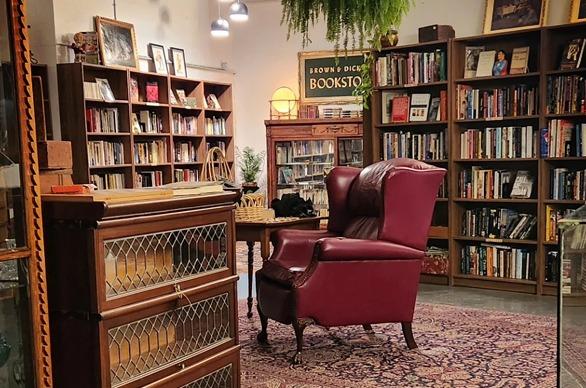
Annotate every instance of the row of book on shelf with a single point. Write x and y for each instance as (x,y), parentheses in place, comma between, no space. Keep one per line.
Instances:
(563,138)
(147,122)
(152,152)
(114,181)
(215,126)
(566,94)
(330,111)
(566,184)
(110,181)
(288,175)
(499,143)
(399,107)
(185,152)
(498,223)
(317,150)
(552,217)
(183,125)
(484,183)
(422,146)
(102,120)
(105,153)
(148,178)
(511,101)
(499,261)
(411,68)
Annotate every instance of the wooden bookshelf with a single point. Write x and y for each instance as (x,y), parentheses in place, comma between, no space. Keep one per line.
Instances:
(74,127)
(546,47)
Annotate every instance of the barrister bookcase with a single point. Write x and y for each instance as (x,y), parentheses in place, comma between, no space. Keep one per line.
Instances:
(143,293)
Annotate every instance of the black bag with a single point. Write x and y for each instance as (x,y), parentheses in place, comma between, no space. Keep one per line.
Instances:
(292,205)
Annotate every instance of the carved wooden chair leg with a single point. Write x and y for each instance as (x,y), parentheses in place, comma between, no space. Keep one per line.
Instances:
(299,327)
(408,333)
(262,337)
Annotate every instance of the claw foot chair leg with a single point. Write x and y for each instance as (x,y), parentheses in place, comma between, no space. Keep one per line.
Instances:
(262,337)
(408,334)
(299,327)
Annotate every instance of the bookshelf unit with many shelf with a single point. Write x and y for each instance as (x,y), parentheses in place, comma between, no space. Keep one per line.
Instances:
(160,140)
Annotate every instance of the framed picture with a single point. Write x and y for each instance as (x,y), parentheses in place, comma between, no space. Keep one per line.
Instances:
(157,53)
(511,15)
(178,59)
(578,11)
(117,42)
(327,78)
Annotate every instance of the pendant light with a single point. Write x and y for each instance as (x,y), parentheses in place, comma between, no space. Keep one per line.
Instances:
(220,26)
(238,11)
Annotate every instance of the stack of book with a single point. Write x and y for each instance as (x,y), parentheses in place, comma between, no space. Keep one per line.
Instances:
(153,152)
(186,175)
(411,69)
(498,223)
(517,100)
(149,178)
(185,152)
(109,181)
(552,216)
(148,122)
(215,126)
(563,138)
(102,120)
(568,184)
(498,261)
(482,183)
(105,153)
(566,94)
(184,125)
(421,146)
(308,111)
(498,143)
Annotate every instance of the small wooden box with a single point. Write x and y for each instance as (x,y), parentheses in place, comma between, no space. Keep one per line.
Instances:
(436,32)
(55,154)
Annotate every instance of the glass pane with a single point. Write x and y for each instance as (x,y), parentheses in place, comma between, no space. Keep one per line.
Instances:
(350,152)
(12,228)
(15,346)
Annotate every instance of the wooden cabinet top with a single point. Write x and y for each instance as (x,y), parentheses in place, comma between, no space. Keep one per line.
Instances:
(274,123)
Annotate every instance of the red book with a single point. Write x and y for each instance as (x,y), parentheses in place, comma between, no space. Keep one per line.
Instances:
(443,106)
(400,112)
(152,92)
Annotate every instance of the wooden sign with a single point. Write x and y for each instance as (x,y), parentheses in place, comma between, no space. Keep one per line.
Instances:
(323,77)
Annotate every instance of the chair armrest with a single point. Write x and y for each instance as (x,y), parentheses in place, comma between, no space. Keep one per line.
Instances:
(349,249)
(294,247)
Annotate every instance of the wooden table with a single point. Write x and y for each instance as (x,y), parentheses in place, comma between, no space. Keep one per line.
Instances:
(253,231)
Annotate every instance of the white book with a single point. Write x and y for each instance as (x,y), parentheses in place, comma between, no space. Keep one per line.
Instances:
(419,106)
(485,63)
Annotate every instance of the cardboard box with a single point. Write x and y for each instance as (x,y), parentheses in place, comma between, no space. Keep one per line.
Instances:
(55,177)
(54,154)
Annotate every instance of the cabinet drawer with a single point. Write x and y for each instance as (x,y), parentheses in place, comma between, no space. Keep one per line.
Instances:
(336,129)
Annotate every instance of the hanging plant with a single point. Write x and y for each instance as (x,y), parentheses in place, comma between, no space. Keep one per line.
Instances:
(349,24)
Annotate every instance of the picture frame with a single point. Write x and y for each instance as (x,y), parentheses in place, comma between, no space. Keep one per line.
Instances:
(578,11)
(513,15)
(178,61)
(159,58)
(342,66)
(117,42)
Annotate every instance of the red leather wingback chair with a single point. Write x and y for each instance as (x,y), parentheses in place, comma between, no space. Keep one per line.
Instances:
(364,269)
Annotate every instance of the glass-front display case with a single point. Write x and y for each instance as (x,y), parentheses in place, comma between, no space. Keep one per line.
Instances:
(572,300)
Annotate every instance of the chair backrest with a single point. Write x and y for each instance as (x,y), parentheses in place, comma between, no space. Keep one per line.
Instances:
(390,200)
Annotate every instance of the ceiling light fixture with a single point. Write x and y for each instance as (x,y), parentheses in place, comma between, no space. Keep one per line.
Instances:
(238,11)
(220,26)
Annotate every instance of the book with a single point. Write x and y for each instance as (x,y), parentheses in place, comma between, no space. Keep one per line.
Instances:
(152,92)
(566,94)
(519,60)
(387,105)
(182,96)
(105,90)
(134,96)
(91,90)
(172,98)
(498,143)
(572,55)
(135,124)
(400,109)
(411,68)
(515,100)
(485,63)
(523,185)
(194,188)
(414,145)
(213,102)
(472,54)
(419,107)
(434,110)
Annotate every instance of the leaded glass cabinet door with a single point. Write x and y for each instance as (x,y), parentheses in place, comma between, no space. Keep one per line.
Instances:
(572,301)
(24,338)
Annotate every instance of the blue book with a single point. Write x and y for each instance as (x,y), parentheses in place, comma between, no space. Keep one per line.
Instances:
(544,142)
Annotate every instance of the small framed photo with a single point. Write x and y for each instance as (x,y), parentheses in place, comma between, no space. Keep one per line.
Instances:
(157,53)
(117,42)
(511,15)
(578,11)
(178,59)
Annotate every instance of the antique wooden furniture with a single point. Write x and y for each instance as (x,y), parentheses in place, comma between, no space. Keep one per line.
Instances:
(25,350)
(252,231)
(143,293)
(364,269)
(183,150)
(300,151)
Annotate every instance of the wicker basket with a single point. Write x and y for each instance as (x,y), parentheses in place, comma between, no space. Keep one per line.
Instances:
(252,208)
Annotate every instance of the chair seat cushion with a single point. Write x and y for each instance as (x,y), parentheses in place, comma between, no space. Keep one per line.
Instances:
(283,276)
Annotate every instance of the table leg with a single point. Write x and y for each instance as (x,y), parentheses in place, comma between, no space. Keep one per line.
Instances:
(250,269)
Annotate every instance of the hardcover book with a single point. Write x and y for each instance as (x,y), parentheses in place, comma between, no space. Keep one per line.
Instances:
(572,56)
(387,105)
(400,111)
(485,63)
(471,64)
(434,110)
(519,60)
(523,185)
(419,107)
(133,90)
(152,92)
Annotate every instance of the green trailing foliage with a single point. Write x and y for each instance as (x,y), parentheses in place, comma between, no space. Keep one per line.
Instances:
(250,164)
(351,24)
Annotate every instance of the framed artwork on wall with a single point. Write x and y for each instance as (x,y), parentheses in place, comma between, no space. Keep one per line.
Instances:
(178,59)
(157,53)
(117,42)
(511,15)
(578,11)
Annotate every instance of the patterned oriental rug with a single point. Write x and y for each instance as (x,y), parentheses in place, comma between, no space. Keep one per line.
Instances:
(458,347)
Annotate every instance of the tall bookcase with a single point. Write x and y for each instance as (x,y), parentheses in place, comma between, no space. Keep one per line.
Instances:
(172,164)
(381,129)
(546,47)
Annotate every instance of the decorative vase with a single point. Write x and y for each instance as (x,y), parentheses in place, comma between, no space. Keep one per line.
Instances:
(391,39)
(249,187)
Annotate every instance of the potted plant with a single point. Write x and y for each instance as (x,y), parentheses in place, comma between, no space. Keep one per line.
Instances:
(250,165)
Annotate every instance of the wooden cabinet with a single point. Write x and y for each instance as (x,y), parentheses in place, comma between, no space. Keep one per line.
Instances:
(145,291)
(300,151)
